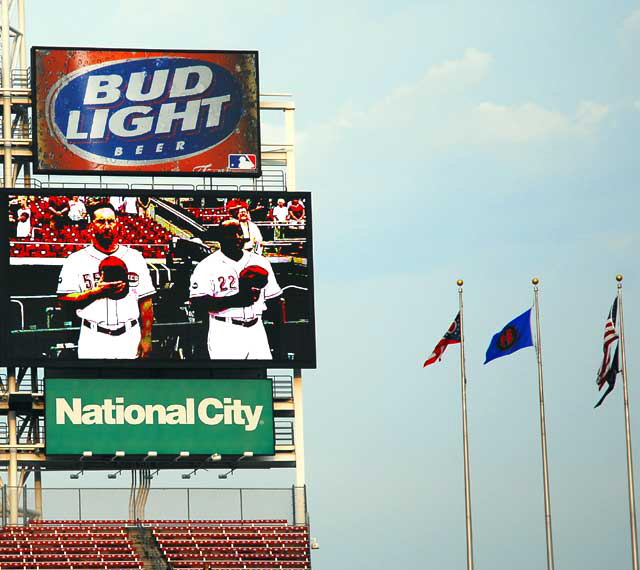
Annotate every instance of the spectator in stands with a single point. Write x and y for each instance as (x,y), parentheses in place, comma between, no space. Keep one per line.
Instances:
(23,219)
(124,205)
(14,206)
(77,212)
(57,211)
(296,214)
(144,206)
(239,210)
(259,209)
(280,217)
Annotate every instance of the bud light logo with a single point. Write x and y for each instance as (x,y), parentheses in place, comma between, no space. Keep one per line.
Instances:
(144,111)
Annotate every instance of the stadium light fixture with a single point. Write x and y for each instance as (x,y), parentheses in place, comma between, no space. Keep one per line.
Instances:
(181,455)
(76,475)
(190,474)
(150,454)
(86,454)
(117,455)
(215,457)
(114,475)
(244,455)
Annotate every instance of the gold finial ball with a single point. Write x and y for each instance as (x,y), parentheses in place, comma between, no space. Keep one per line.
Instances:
(460,282)
(618,278)
(535,281)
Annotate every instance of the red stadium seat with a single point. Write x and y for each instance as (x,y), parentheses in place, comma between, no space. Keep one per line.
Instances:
(18,249)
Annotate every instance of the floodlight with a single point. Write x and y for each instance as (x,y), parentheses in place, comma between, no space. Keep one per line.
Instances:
(215,457)
(247,454)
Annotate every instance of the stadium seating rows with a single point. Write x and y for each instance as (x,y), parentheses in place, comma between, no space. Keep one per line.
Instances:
(40,249)
(228,544)
(208,215)
(142,233)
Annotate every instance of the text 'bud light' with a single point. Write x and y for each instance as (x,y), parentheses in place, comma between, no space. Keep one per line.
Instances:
(145,110)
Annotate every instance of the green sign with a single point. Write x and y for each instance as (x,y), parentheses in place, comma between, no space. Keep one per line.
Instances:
(166,416)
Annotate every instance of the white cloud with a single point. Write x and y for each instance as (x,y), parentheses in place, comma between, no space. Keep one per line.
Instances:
(473,67)
(491,123)
(589,115)
(407,102)
(632,22)
(439,107)
(453,76)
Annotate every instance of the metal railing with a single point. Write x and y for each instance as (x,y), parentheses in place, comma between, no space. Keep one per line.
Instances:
(24,437)
(28,375)
(271,180)
(19,78)
(27,378)
(164,503)
(283,429)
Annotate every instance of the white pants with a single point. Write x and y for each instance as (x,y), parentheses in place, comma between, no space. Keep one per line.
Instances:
(95,344)
(228,341)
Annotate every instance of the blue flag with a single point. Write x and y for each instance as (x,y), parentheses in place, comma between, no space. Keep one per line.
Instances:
(514,336)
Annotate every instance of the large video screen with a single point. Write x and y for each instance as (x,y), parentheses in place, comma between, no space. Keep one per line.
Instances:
(147,112)
(188,279)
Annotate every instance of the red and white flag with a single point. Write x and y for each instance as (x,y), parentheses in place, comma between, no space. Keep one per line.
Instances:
(609,368)
(452,336)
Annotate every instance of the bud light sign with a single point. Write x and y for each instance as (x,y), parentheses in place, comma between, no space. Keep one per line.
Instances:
(124,112)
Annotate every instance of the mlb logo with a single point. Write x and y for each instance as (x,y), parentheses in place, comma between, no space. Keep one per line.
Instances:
(242,162)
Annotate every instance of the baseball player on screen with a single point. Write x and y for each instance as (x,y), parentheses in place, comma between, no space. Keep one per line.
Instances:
(110,288)
(232,285)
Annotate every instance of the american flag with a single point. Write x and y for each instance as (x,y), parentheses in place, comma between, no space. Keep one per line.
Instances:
(452,336)
(609,368)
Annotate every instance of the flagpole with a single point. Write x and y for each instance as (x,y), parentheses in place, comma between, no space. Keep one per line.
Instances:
(543,432)
(632,504)
(465,434)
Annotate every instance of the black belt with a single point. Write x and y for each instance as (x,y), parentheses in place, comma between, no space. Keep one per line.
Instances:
(238,322)
(112,332)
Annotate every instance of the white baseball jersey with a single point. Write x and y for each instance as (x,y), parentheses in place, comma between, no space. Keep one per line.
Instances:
(77,210)
(80,271)
(217,276)
(23,229)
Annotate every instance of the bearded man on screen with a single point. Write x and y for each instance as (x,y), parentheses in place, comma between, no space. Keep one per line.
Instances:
(109,286)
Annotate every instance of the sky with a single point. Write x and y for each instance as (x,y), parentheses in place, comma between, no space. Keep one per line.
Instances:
(489,141)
